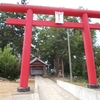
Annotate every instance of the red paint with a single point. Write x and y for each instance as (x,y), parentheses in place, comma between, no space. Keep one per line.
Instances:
(29,22)
(26,50)
(89,51)
(13,21)
(47,10)
(21,22)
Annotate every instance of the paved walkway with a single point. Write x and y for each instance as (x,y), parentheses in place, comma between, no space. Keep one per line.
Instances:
(49,90)
(22,97)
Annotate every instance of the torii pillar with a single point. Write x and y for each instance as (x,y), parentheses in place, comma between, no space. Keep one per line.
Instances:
(89,53)
(26,53)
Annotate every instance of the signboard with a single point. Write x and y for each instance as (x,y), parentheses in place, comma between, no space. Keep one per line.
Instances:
(59,17)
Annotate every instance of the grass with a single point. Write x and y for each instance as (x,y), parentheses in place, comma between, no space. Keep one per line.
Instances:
(78,81)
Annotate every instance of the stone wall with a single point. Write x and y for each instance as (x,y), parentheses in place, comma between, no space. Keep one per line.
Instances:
(83,93)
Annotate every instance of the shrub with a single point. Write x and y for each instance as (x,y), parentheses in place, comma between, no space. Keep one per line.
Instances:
(9,66)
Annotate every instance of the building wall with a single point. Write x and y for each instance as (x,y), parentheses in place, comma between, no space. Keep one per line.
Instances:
(38,70)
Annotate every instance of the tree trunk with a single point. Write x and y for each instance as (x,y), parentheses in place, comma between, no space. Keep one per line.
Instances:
(62,68)
(56,63)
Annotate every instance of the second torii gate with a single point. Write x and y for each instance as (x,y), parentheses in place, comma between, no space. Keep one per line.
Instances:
(29,22)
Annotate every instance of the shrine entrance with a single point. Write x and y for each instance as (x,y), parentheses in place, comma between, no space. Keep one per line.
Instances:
(29,22)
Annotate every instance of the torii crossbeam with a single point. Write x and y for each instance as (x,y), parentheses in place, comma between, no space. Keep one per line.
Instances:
(29,22)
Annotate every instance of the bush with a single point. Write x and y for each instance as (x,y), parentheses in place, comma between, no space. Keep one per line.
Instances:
(98,73)
(9,66)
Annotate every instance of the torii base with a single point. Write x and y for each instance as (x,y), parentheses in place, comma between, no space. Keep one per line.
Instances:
(93,86)
(21,89)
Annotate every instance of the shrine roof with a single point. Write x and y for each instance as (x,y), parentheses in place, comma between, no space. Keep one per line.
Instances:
(37,59)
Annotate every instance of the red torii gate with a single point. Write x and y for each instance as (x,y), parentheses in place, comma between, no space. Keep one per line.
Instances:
(29,22)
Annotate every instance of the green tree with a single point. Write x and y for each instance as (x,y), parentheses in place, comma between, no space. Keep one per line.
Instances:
(10,34)
(9,65)
(51,45)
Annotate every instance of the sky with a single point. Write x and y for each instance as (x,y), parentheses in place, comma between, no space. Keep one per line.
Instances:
(90,4)
(86,4)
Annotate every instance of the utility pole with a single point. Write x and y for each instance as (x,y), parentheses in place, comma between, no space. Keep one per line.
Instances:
(70,64)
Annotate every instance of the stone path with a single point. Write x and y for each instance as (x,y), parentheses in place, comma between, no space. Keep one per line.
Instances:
(49,90)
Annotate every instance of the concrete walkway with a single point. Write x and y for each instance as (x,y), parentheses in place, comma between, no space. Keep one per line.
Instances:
(49,90)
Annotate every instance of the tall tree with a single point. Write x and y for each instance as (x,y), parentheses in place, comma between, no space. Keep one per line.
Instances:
(12,35)
(52,46)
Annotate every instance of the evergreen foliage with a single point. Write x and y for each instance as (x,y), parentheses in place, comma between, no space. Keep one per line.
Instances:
(9,65)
